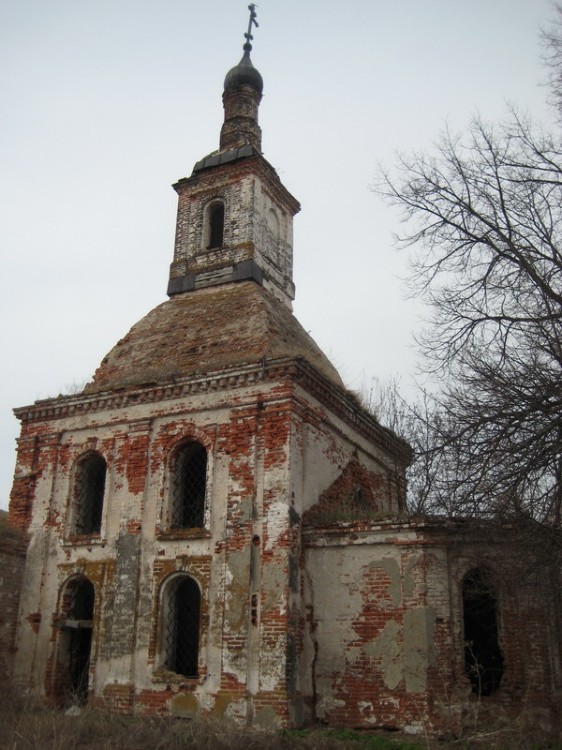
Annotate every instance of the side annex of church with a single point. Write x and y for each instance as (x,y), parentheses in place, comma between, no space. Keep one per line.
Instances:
(216,526)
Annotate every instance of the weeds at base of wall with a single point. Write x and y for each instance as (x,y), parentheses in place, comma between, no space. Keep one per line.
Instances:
(96,730)
(24,725)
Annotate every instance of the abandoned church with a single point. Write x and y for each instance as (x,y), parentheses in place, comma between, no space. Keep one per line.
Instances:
(215,526)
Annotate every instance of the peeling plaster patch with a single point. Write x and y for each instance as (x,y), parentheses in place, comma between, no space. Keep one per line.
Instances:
(238,571)
(392,569)
(184,706)
(390,701)
(353,653)
(343,569)
(267,718)
(416,727)
(237,709)
(333,649)
(419,647)
(366,710)
(409,580)
(272,666)
(235,663)
(277,522)
(243,507)
(226,704)
(387,649)
(274,582)
(327,705)
(206,701)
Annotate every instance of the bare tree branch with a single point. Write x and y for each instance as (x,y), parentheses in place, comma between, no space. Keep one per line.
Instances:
(484,219)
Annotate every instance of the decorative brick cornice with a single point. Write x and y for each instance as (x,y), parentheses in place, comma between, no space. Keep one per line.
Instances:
(400,530)
(334,398)
(347,407)
(253,163)
(76,405)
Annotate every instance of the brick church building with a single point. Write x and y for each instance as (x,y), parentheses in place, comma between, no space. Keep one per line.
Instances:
(216,526)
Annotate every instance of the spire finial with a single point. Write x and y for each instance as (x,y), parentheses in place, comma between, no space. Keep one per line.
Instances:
(251,22)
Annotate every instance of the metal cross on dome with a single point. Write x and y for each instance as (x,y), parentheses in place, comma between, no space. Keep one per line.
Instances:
(251,22)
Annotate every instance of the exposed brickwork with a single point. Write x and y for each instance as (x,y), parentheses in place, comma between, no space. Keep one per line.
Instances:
(311,606)
(388,650)
(356,493)
(216,328)
(251,192)
(358,627)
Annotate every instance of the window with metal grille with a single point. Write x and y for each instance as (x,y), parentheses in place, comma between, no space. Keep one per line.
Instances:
(89,488)
(216,225)
(182,606)
(189,481)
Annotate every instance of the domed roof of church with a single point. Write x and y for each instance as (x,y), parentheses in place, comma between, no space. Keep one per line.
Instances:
(244,72)
(205,332)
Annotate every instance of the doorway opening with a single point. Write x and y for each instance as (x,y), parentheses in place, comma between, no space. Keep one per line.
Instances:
(75,643)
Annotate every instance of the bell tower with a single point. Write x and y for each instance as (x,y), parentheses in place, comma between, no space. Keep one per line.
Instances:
(235,217)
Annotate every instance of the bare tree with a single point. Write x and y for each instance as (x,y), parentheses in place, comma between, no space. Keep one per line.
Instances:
(551,39)
(417,422)
(484,216)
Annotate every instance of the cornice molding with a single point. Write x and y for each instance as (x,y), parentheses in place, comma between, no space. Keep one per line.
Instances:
(336,399)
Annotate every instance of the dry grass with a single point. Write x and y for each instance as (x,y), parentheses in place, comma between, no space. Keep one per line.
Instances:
(36,728)
(27,727)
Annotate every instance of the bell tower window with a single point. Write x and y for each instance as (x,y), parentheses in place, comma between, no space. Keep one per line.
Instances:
(215,228)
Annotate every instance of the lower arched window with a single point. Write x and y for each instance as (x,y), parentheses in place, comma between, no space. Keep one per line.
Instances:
(482,654)
(188,487)
(180,627)
(89,489)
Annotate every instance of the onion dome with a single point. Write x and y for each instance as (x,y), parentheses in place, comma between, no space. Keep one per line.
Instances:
(244,73)
(243,87)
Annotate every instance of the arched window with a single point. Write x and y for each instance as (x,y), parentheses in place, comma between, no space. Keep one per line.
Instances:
(89,488)
(180,626)
(482,654)
(216,225)
(188,485)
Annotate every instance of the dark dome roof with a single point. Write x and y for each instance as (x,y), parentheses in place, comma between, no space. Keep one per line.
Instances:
(244,73)
(207,331)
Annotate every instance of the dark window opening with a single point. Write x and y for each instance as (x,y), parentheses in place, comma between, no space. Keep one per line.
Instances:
(482,654)
(181,627)
(76,641)
(89,488)
(188,487)
(358,499)
(216,225)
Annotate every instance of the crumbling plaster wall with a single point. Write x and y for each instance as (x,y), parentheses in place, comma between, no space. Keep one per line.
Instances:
(378,624)
(384,639)
(240,559)
(324,446)
(527,591)
(272,449)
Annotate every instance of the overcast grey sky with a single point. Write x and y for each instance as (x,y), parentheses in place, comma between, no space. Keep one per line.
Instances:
(105,103)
